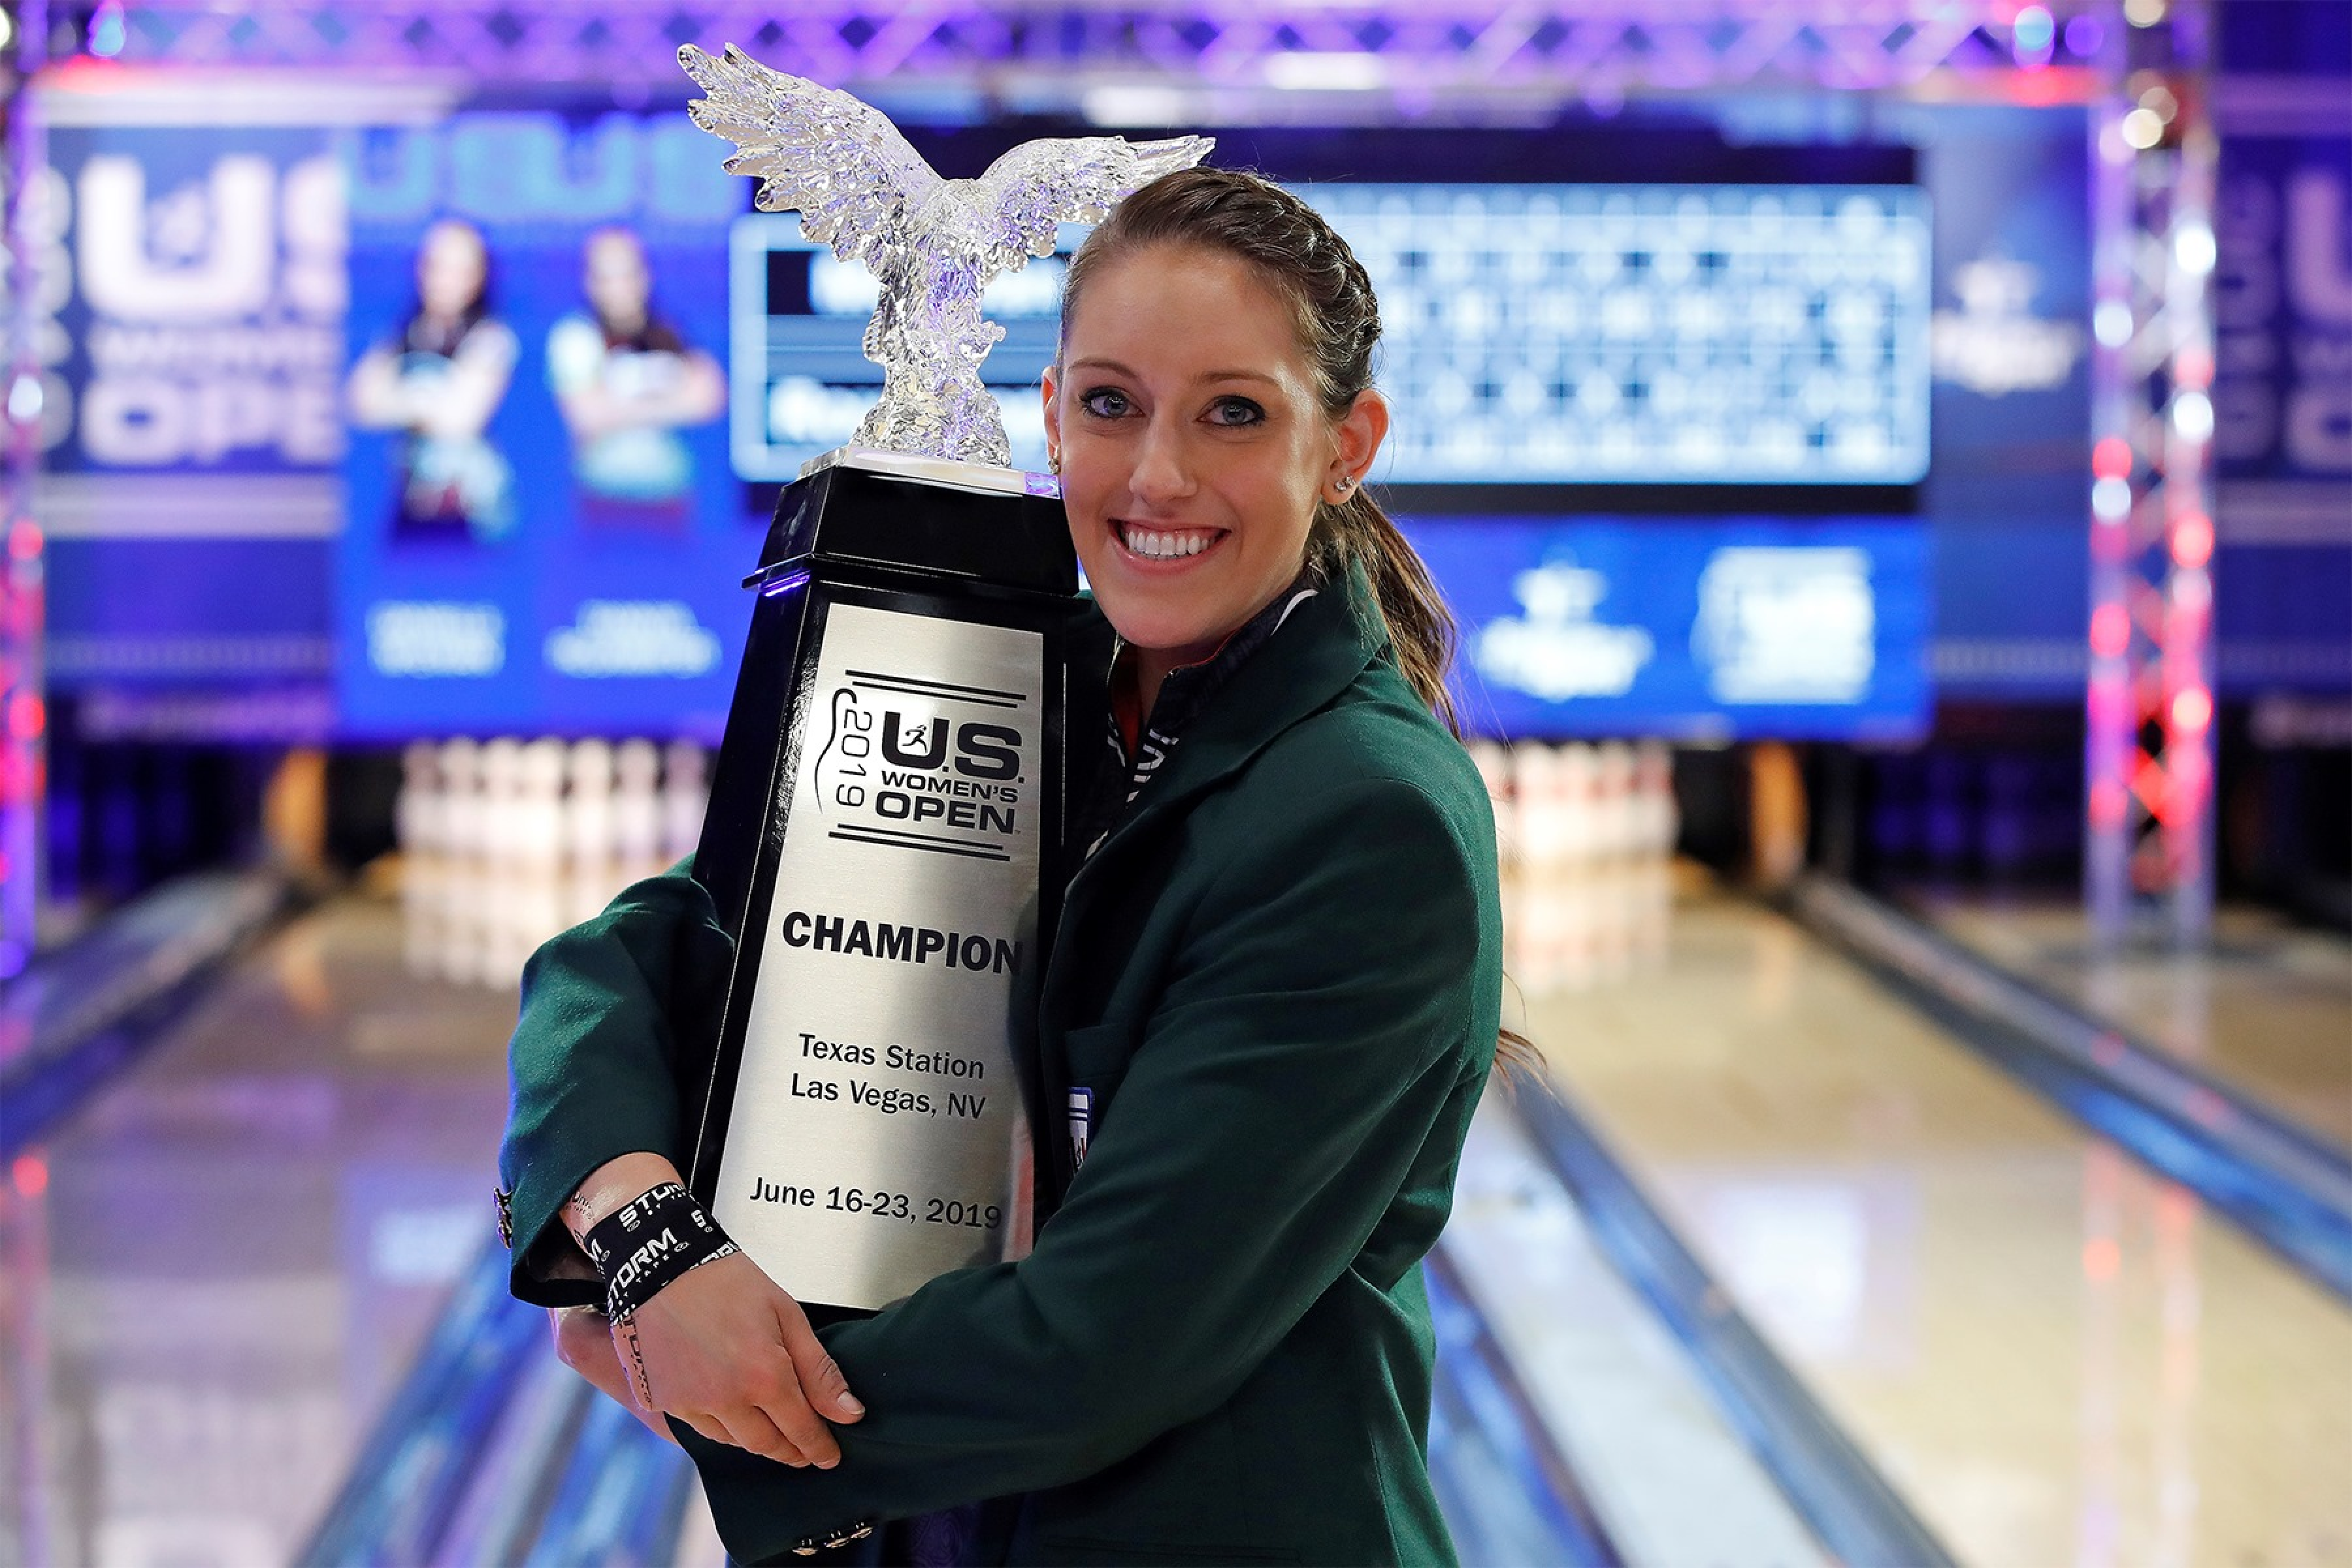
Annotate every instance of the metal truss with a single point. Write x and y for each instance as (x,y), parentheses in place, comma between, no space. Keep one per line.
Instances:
(24,712)
(1423,53)
(2150,708)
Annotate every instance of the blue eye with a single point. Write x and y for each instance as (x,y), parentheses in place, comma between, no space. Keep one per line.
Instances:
(1235,411)
(1106,403)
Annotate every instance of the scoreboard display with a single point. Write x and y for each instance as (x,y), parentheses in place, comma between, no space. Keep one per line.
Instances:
(1648,334)
(1535,334)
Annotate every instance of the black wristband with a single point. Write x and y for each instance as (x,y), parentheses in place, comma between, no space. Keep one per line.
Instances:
(641,1246)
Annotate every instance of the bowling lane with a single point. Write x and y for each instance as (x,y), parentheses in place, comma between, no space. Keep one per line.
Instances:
(2268,1009)
(217,1272)
(2054,1356)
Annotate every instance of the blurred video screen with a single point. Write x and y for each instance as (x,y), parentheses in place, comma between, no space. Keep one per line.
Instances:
(1636,334)
(1535,334)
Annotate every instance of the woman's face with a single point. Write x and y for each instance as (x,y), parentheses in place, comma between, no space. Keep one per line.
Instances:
(450,267)
(1194,446)
(613,273)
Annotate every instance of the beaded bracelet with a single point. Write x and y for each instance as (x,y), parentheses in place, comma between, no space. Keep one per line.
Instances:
(642,1246)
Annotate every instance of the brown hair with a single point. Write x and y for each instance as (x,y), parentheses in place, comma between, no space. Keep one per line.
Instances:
(1300,257)
(1308,265)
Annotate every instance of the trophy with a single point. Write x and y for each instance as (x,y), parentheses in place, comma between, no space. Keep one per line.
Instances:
(888,791)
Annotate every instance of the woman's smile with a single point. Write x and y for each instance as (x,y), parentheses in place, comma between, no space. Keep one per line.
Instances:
(1165,546)
(1193,447)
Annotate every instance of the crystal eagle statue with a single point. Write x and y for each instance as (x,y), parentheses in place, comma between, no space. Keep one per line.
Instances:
(935,244)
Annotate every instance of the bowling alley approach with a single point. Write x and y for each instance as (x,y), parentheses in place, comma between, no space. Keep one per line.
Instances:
(1044,782)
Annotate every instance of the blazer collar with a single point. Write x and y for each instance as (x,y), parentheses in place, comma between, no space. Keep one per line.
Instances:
(1325,644)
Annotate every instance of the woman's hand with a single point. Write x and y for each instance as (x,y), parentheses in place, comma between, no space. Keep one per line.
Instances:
(721,1347)
(583,1341)
(727,1352)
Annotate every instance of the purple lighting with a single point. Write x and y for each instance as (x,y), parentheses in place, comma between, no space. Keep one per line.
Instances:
(1462,53)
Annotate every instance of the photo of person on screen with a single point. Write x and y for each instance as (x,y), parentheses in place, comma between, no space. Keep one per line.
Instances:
(626,382)
(439,381)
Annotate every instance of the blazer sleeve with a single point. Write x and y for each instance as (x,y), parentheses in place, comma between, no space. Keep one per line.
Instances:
(592,1064)
(1315,1026)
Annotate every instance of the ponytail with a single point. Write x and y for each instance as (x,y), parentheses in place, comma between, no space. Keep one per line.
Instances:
(1422,631)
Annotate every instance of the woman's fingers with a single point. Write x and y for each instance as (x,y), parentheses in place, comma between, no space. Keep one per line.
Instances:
(781,1403)
(707,1426)
(747,1427)
(820,1376)
(584,1342)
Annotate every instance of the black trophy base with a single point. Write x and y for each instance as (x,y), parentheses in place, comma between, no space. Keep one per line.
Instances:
(885,839)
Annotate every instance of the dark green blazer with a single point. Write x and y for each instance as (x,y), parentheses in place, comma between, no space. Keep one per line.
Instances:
(1281,976)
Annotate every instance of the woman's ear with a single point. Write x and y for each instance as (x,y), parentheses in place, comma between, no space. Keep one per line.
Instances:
(1050,386)
(1360,431)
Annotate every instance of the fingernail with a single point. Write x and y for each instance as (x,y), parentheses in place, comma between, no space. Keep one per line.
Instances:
(849,1401)
(826,1464)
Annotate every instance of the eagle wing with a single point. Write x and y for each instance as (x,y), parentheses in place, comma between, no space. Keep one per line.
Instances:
(840,163)
(1029,192)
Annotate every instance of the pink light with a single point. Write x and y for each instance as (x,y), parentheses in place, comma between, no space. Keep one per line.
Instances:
(27,716)
(2192,709)
(2110,631)
(25,540)
(2192,539)
(2193,367)
(2112,458)
(31,1174)
(2108,802)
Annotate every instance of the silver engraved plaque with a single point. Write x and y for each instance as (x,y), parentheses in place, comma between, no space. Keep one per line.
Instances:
(872,1124)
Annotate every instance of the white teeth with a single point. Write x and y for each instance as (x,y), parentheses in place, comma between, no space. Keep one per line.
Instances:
(1157,546)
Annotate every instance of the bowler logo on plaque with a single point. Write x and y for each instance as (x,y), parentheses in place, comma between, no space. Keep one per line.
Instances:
(887,826)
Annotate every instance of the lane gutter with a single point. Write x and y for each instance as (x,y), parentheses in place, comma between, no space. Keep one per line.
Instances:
(1477,1390)
(577,1479)
(80,1015)
(1851,1509)
(2283,1185)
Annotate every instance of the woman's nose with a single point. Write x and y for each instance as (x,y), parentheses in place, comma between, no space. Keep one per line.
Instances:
(1162,472)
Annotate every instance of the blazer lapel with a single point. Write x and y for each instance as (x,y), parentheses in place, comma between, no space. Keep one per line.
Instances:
(1315,656)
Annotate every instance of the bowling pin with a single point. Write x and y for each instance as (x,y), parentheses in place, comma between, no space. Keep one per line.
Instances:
(1616,817)
(503,943)
(588,830)
(462,827)
(416,824)
(636,810)
(1533,773)
(538,827)
(685,793)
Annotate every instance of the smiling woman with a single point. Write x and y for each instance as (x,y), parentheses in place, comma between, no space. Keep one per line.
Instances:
(1265,1014)
(1259,324)
(1193,447)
